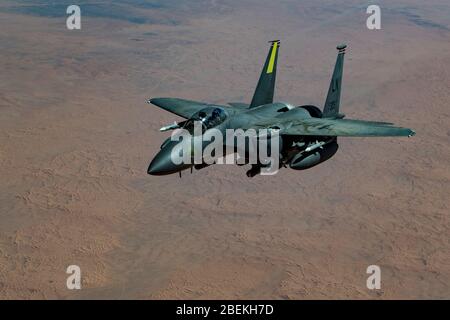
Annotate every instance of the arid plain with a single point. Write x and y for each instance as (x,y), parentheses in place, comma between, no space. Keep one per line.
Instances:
(76,137)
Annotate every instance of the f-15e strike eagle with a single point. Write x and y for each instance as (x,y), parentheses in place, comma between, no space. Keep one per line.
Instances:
(307,135)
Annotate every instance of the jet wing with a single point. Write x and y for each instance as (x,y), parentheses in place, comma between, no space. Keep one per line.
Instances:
(336,127)
(180,107)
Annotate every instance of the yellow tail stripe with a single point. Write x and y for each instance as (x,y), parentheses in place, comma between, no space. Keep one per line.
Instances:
(272,58)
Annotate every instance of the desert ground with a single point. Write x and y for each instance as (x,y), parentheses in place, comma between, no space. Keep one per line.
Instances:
(76,137)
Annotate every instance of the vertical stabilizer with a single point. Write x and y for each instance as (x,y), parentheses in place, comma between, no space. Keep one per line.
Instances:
(331,108)
(266,85)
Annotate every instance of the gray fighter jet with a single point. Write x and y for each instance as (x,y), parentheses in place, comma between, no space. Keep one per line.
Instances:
(308,135)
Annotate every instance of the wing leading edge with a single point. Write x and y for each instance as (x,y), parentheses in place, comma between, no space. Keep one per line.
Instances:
(337,128)
(180,107)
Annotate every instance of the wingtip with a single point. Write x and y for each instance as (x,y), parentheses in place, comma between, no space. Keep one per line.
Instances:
(341,48)
(154,101)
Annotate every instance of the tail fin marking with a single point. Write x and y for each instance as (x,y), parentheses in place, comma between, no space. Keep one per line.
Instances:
(266,85)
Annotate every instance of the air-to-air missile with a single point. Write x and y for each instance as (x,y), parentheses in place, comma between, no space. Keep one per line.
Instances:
(317,144)
(170,127)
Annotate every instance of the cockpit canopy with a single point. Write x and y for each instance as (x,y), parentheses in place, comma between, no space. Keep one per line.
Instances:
(209,117)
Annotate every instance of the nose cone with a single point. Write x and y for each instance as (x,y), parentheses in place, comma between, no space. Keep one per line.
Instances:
(162,163)
(158,166)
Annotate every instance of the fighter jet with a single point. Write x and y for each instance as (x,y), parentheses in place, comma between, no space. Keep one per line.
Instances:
(307,135)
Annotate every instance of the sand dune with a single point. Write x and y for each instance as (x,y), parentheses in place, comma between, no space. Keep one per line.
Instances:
(76,137)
